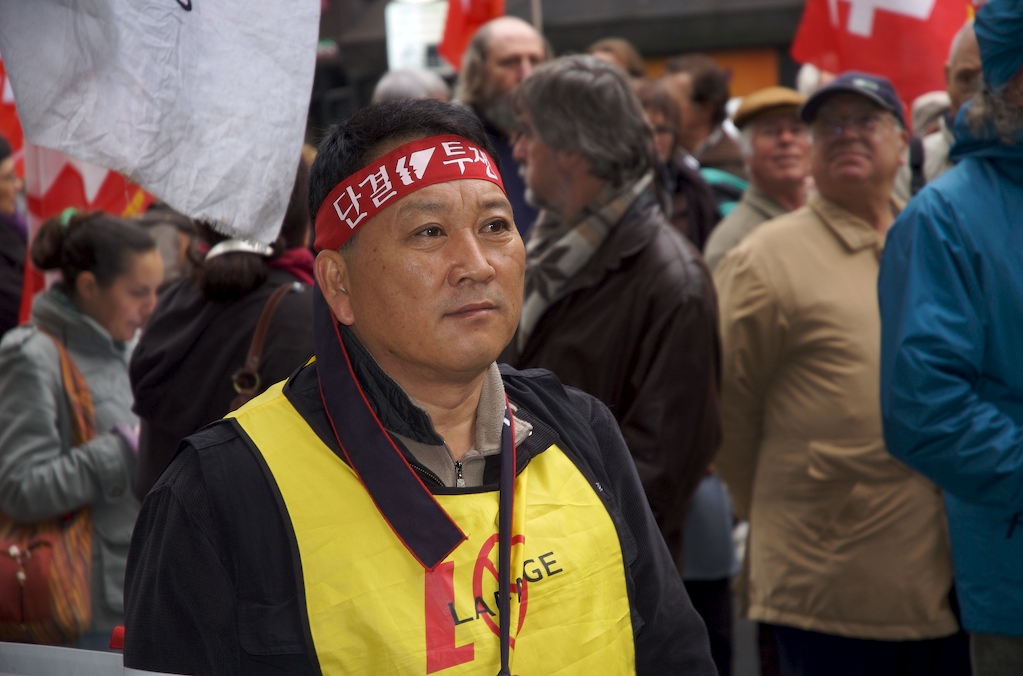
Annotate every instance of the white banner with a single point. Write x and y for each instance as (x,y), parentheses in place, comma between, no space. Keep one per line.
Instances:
(201,102)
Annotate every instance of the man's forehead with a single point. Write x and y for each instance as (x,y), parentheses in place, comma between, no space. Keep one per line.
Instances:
(776,115)
(965,52)
(508,38)
(848,102)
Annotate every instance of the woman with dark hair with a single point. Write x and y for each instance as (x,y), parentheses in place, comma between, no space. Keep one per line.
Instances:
(200,333)
(110,272)
(691,205)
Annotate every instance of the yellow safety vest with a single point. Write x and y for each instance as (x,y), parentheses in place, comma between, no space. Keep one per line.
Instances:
(373,609)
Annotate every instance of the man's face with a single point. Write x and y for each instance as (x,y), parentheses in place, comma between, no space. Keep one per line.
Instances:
(962,72)
(781,150)
(432,286)
(540,167)
(856,144)
(513,51)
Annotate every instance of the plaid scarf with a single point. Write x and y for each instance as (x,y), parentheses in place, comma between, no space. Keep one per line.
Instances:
(557,251)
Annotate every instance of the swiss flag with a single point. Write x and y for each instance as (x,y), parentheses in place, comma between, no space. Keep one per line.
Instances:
(10,126)
(906,41)
(54,182)
(464,18)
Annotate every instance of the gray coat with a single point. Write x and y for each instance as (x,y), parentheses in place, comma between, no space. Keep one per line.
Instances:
(41,474)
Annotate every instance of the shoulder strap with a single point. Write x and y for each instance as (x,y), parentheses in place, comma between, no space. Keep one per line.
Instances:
(83,417)
(916,164)
(246,380)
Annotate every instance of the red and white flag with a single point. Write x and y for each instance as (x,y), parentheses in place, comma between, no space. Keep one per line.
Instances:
(906,41)
(54,182)
(463,20)
(10,127)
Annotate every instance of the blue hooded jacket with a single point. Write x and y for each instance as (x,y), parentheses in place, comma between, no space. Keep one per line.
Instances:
(951,298)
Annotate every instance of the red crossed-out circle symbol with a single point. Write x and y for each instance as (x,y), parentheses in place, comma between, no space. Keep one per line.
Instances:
(518,586)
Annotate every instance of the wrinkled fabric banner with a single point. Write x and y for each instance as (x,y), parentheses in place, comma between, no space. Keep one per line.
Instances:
(201,102)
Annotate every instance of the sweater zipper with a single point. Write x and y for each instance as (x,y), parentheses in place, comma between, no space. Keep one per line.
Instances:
(459,479)
(427,473)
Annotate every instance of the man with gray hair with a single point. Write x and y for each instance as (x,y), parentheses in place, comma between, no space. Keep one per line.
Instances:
(848,553)
(617,303)
(499,56)
(411,83)
(950,290)
(775,144)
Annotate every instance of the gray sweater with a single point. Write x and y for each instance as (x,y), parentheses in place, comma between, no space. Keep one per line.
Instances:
(41,474)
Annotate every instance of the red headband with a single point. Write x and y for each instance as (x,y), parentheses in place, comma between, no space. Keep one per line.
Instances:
(363,195)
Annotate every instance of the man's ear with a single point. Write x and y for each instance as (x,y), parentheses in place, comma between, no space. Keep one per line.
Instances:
(331,271)
(904,141)
(572,162)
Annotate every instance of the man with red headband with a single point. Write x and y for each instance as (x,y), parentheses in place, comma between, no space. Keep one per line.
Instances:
(401,505)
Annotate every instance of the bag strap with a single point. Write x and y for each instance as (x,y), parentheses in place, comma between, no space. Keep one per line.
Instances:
(83,416)
(246,380)
(916,165)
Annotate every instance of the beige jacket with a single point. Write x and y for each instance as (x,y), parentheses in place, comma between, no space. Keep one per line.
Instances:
(844,539)
(753,209)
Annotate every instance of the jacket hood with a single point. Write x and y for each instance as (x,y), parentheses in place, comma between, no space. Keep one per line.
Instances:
(986,144)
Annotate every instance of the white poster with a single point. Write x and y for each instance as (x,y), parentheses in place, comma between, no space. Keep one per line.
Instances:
(201,102)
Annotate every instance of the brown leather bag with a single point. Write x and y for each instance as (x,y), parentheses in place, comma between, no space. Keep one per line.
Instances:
(246,380)
(46,568)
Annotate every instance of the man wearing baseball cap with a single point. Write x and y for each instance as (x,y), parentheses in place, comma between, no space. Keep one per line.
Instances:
(848,553)
(401,505)
(951,289)
(775,145)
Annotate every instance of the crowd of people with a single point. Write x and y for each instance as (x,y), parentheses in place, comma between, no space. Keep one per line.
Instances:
(526,354)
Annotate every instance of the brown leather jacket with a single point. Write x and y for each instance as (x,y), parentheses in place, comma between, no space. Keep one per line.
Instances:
(637,328)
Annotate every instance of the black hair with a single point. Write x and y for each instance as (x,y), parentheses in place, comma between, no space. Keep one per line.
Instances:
(89,242)
(235,275)
(349,146)
(709,82)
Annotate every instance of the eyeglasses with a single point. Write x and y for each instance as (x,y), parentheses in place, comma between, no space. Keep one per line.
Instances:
(833,126)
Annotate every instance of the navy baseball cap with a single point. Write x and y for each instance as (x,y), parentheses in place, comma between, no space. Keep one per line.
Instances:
(874,87)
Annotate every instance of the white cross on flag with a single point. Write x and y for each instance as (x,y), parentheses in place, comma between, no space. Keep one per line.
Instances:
(906,41)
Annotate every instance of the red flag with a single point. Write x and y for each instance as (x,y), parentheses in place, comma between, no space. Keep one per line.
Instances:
(10,126)
(906,41)
(463,20)
(54,182)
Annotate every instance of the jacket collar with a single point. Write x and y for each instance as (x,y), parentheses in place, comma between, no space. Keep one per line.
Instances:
(855,233)
(392,404)
(54,312)
(761,202)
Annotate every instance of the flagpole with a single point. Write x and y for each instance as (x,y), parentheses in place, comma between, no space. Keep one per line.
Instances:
(537,15)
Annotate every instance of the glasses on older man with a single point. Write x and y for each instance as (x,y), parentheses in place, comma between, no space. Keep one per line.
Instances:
(832,126)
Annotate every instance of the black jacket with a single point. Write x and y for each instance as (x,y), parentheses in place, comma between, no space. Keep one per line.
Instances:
(212,586)
(12,273)
(637,327)
(181,369)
